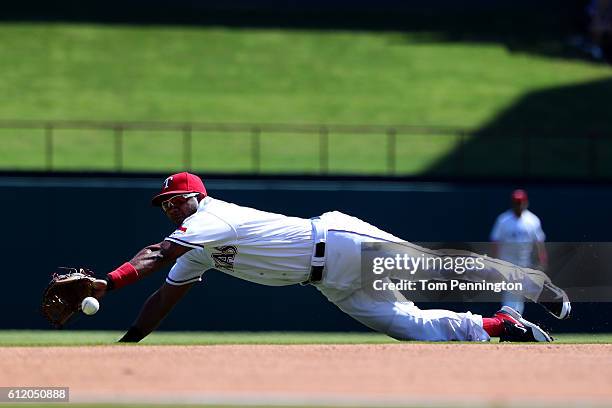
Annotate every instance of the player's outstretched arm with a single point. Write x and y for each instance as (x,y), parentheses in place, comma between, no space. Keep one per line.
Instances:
(154,257)
(146,261)
(157,306)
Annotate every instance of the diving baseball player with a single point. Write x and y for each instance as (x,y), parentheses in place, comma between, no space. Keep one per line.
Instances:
(273,249)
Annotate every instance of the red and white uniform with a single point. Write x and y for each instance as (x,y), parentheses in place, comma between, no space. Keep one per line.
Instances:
(257,246)
(274,249)
(517,237)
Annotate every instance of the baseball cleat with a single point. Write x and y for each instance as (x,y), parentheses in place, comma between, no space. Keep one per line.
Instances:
(555,301)
(518,329)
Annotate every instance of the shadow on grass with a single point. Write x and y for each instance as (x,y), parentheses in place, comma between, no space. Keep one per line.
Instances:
(559,132)
(536,27)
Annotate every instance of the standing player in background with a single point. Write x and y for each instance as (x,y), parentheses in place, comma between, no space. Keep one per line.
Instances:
(276,250)
(517,234)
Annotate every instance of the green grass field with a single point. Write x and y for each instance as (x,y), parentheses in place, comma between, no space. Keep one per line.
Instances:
(10,338)
(191,74)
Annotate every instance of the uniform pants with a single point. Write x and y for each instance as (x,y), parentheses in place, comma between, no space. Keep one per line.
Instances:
(388,311)
(403,320)
(494,271)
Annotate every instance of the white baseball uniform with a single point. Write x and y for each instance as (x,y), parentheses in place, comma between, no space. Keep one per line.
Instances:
(516,238)
(274,249)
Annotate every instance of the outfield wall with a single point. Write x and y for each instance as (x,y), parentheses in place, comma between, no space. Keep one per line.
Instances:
(100,222)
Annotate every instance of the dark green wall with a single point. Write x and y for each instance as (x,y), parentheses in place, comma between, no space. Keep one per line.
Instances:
(101,222)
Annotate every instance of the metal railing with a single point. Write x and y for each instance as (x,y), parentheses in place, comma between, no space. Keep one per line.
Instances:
(466,141)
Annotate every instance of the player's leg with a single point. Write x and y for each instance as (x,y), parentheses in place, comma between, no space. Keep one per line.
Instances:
(390,313)
(385,311)
(535,285)
(483,268)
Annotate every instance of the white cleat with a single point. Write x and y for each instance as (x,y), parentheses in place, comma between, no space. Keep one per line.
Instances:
(517,328)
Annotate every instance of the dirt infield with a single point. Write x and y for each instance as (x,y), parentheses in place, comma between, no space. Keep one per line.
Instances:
(311,374)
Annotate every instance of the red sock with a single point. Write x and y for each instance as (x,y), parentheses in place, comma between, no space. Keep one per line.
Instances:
(494,326)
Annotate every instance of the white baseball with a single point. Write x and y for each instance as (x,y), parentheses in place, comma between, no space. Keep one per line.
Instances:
(90,305)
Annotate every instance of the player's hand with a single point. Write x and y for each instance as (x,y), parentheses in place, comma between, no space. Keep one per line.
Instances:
(99,288)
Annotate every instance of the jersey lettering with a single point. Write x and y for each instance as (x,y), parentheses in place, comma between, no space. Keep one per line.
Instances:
(224,258)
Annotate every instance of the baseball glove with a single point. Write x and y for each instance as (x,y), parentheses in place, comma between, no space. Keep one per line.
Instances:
(63,297)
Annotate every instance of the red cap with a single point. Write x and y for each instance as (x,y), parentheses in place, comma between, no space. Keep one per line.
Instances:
(519,195)
(180,183)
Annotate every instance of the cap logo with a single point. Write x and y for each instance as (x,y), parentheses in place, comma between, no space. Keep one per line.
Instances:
(167,182)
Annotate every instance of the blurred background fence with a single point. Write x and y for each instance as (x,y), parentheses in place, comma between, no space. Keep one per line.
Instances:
(304,148)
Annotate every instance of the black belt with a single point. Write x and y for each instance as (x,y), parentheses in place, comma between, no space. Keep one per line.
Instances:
(316,272)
